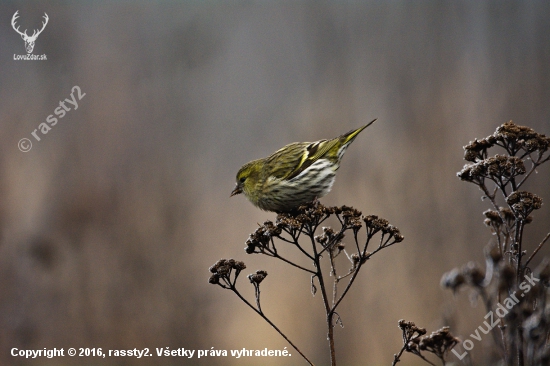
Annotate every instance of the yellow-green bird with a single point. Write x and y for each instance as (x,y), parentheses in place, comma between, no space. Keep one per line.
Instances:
(295,174)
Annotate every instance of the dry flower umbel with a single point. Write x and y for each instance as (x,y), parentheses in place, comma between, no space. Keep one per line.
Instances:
(439,342)
(521,337)
(301,230)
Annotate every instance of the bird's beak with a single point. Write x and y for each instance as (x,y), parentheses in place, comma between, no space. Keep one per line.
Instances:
(237,190)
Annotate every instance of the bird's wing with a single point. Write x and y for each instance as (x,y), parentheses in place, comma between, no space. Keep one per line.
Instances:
(294,158)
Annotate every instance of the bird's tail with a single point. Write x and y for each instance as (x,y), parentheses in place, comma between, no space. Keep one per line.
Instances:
(348,137)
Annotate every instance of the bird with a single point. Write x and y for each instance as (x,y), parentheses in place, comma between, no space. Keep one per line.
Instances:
(296,174)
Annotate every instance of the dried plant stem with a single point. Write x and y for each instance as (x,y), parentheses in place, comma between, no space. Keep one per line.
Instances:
(537,250)
(261,313)
(489,306)
(304,222)
(329,313)
(439,342)
(502,328)
(518,241)
(494,203)
(396,357)
(520,344)
(533,168)
(525,333)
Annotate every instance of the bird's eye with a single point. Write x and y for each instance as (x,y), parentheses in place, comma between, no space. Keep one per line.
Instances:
(242,180)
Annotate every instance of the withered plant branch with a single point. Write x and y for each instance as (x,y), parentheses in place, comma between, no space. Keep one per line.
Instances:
(264,317)
(274,254)
(537,250)
(364,257)
(334,240)
(491,197)
(529,326)
(296,242)
(534,167)
(502,328)
(306,221)
(518,242)
(396,358)
(324,295)
(224,269)
(415,341)
(521,357)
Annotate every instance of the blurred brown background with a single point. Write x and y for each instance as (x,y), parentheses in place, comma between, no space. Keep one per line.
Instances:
(109,224)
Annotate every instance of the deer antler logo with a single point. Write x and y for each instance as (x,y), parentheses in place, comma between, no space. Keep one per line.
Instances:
(29,40)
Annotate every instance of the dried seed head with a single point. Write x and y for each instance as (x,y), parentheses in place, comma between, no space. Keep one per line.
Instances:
(453,279)
(375,223)
(259,239)
(498,168)
(477,149)
(473,274)
(303,215)
(214,279)
(439,342)
(492,218)
(239,265)
(272,229)
(523,203)
(393,232)
(493,253)
(257,277)
(352,217)
(326,237)
(521,137)
(222,269)
(410,328)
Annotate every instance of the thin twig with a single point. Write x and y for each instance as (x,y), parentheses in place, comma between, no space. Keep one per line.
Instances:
(396,357)
(260,313)
(295,242)
(537,250)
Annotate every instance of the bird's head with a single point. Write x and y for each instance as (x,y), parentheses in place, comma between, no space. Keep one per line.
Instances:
(247,178)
